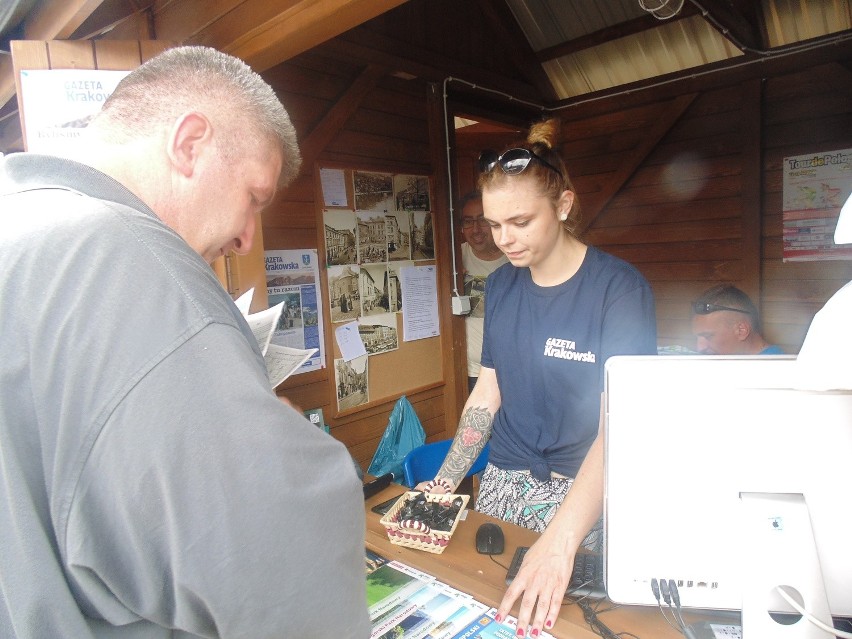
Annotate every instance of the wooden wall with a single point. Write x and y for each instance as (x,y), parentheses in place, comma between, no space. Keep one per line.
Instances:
(684,182)
(704,204)
(351,117)
(806,111)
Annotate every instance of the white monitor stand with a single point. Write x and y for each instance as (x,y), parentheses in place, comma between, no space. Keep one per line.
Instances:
(782,553)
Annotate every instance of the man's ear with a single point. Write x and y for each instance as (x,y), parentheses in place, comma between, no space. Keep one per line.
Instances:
(742,330)
(190,134)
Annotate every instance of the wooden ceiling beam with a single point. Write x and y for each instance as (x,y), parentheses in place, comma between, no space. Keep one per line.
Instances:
(501,21)
(265,33)
(732,23)
(58,19)
(371,47)
(184,20)
(710,76)
(608,34)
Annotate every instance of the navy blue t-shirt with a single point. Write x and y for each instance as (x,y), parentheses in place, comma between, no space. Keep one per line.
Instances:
(548,346)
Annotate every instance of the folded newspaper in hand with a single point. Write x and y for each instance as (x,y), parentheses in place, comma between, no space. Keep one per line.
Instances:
(281,361)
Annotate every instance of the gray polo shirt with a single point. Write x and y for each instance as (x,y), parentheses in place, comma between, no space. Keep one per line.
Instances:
(151,483)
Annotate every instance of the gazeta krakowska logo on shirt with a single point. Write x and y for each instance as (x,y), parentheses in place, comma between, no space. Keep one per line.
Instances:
(567,349)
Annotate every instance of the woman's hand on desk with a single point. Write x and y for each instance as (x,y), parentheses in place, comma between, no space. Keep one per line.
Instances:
(540,584)
(438,486)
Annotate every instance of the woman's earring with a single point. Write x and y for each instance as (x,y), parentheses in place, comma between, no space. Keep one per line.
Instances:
(563,217)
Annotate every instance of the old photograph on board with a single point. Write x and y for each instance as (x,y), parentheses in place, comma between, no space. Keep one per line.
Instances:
(411,193)
(340,247)
(373,285)
(398,236)
(352,383)
(343,293)
(422,238)
(379,333)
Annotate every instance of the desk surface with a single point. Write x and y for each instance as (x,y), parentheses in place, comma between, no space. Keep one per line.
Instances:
(461,567)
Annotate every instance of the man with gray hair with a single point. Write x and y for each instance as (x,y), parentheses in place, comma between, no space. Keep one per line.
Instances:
(153,484)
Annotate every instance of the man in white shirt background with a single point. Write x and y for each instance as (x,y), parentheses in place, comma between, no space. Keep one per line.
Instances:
(480,258)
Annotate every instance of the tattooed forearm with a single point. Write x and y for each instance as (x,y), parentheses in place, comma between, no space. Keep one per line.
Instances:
(473,433)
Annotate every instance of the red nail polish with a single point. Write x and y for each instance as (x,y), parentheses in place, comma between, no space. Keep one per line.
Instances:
(548,623)
(520,632)
(534,633)
(498,618)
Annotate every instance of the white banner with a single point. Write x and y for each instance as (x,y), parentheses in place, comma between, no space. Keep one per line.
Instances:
(58,104)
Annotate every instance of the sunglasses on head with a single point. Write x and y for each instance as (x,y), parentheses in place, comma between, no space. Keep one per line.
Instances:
(704,308)
(512,162)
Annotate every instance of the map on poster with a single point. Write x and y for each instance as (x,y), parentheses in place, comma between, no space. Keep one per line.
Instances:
(815,187)
(292,278)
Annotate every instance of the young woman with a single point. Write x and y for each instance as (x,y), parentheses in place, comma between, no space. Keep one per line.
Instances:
(553,316)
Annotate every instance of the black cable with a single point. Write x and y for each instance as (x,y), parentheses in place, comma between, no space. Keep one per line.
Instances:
(596,611)
(597,626)
(506,568)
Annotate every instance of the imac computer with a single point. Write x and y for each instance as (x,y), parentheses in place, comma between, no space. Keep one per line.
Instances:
(725,480)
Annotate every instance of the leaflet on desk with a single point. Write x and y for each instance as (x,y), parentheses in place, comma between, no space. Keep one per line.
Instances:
(406,603)
(486,627)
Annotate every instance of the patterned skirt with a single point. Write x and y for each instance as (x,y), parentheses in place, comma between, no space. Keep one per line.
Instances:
(519,498)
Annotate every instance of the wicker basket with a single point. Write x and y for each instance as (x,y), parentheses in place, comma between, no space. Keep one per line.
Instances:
(433,541)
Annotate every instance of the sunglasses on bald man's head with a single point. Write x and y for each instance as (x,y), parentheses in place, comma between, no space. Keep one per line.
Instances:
(705,308)
(513,161)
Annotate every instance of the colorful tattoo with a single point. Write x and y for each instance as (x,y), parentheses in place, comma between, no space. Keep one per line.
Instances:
(474,431)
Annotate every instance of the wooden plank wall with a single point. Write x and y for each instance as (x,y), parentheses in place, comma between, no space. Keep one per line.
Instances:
(704,205)
(386,130)
(803,112)
(685,185)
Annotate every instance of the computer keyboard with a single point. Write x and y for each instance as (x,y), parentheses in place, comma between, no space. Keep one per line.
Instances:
(586,578)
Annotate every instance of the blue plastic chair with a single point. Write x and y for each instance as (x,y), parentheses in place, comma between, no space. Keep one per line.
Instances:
(423,462)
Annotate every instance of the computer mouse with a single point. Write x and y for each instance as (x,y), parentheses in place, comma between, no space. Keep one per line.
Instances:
(489,539)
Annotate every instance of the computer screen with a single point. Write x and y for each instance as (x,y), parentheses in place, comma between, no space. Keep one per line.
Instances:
(690,440)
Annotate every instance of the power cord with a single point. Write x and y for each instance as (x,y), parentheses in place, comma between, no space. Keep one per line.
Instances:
(669,592)
(656,589)
(782,590)
(668,589)
(687,631)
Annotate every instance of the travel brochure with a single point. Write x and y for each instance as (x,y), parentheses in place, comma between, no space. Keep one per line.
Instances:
(406,603)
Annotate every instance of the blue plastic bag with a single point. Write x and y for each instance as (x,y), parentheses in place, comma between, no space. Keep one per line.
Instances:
(402,434)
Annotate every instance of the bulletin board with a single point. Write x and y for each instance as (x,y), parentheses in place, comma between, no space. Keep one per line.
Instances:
(376,231)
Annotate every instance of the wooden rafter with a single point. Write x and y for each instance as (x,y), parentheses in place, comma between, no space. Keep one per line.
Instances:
(732,23)
(602,36)
(343,108)
(265,33)
(362,45)
(631,161)
(503,24)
